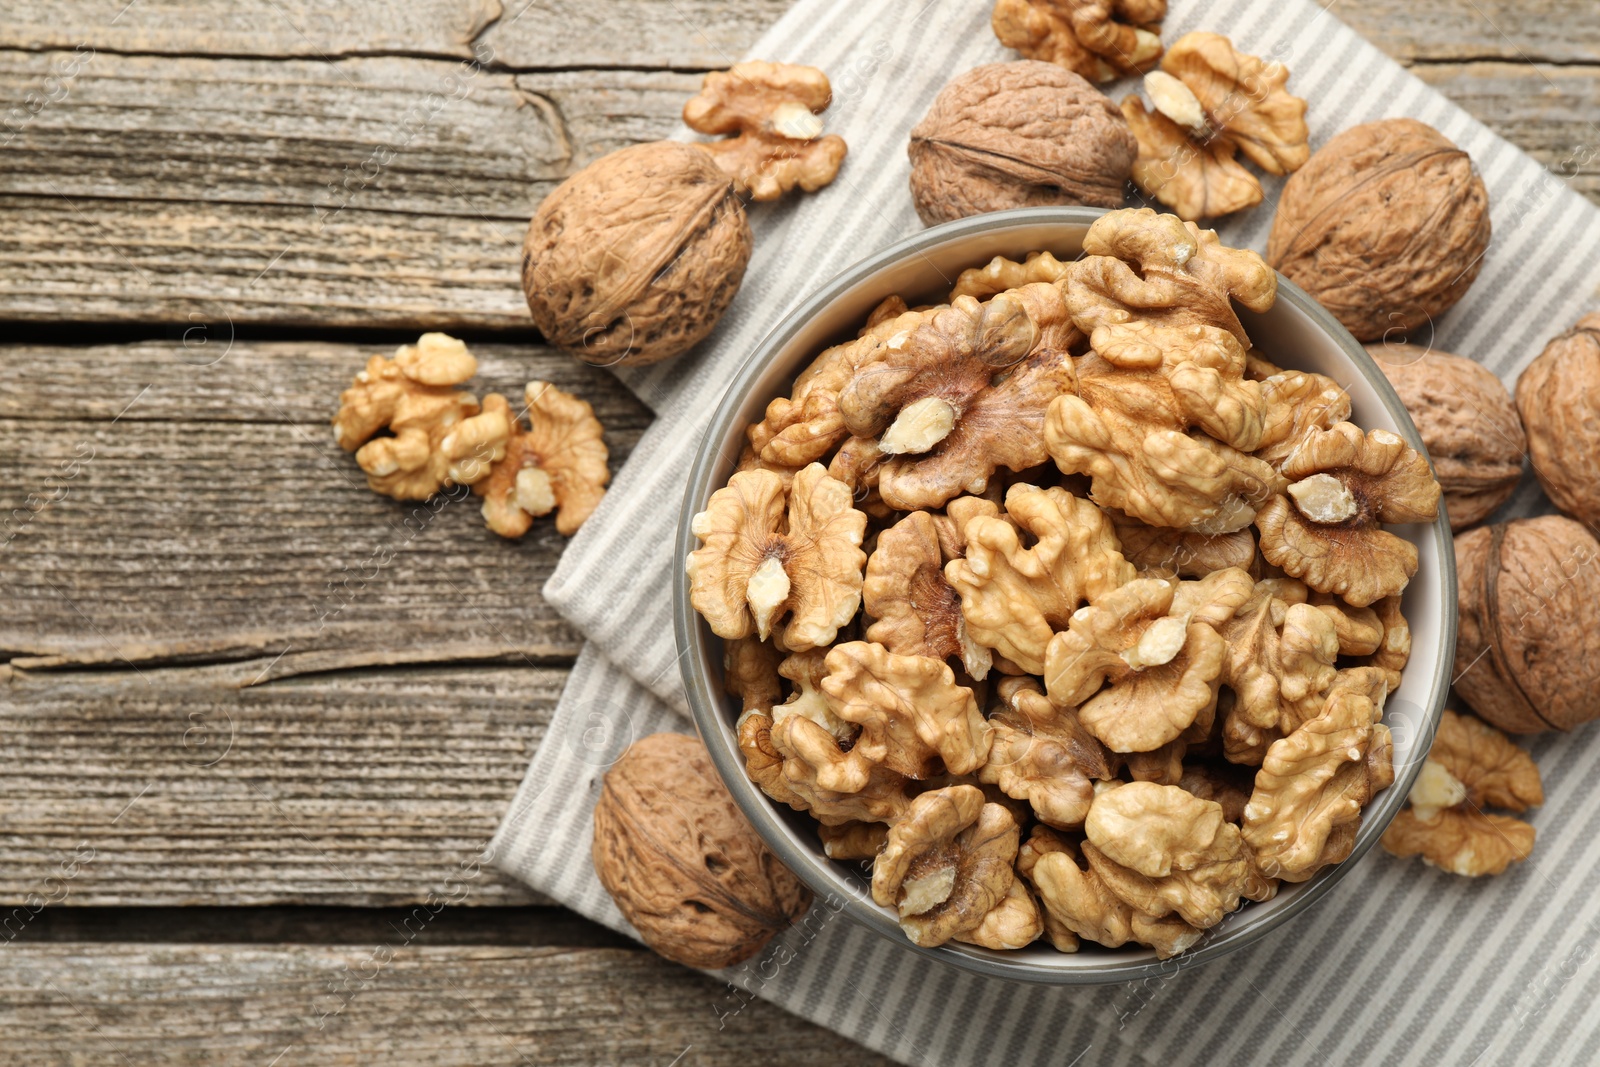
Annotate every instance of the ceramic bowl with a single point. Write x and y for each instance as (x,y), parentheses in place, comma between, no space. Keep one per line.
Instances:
(1296,333)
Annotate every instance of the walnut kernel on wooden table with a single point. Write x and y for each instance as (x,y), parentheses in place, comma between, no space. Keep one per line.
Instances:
(1471,766)
(683,865)
(1386,226)
(438,436)
(634,259)
(1468,421)
(1559,398)
(1019,134)
(1528,646)
(558,462)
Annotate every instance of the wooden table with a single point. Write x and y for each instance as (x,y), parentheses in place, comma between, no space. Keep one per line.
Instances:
(253,713)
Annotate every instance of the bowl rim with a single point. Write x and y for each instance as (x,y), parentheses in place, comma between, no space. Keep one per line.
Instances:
(826,880)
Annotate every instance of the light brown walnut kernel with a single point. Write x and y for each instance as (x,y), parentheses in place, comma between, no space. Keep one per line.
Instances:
(1016,922)
(557,464)
(1014,597)
(1158,670)
(750,672)
(1468,421)
(834,785)
(1003,425)
(1298,404)
(1197,181)
(1043,755)
(1243,99)
(915,611)
(914,718)
(437,435)
(772,110)
(1100,40)
(1342,484)
(805,671)
(748,575)
(1470,767)
(683,865)
(1556,395)
(853,840)
(1165,552)
(1000,274)
(1023,134)
(1318,778)
(947,863)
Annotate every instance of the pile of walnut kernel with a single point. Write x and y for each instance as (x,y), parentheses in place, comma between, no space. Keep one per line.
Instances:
(1062,605)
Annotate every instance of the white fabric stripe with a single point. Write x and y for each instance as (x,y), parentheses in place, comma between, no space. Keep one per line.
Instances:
(1402,963)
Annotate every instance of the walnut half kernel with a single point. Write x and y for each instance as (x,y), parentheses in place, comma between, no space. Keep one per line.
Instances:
(1068,697)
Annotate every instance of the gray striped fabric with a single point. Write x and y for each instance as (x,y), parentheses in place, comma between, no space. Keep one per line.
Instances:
(1403,964)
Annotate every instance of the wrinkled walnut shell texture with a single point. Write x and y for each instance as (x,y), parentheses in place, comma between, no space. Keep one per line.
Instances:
(1386,226)
(1528,650)
(1559,398)
(681,862)
(1019,134)
(1467,420)
(634,259)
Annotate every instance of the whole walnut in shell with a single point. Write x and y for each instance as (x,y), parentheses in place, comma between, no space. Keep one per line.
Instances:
(1386,226)
(682,863)
(1559,398)
(1528,649)
(1019,134)
(633,259)
(1467,420)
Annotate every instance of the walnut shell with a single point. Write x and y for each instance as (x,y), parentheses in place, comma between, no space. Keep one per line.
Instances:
(633,259)
(682,863)
(1559,398)
(1386,226)
(1467,420)
(1528,650)
(1019,134)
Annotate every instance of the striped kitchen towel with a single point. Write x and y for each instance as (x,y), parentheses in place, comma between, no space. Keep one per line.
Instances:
(1402,964)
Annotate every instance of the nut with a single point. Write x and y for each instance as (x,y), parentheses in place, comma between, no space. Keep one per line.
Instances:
(915,611)
(437,435)
(1164,552)
(750,672)
(1100,40)
(559,462)
(1212,101)
(1298,404)
(1196,180)
(1014,598)
(1467,420)
(1020,134)
(1002,426)
(947,864)
(1159,670)
(772,109)
(1015,922)
(1314,782)
(633,259)
(914,718)
(1000,274)
(1169,852)
(1280,659)
(806,671)
(1471,766)
(682,864)
(835,786)
(1343,483)
(1043,755)
(1556,396)
(1528,647)
(853,840)
(1386,227)
(747,575)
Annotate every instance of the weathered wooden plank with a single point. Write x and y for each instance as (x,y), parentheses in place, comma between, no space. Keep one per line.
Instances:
(392,1002)
(366,192)
(176,786)
(1542,31)
(215,518)
(522,34)
(1549,112)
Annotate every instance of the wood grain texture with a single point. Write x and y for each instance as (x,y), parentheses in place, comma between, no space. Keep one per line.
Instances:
(395,1001)
(520,34)
(176,786)
(216,519)
(1540,31)
(365,192)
